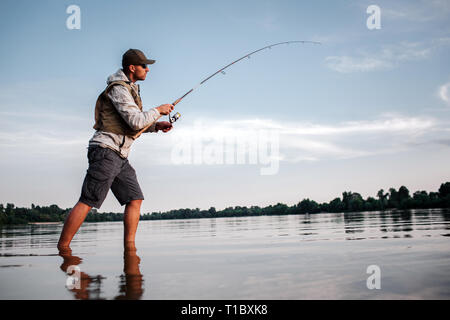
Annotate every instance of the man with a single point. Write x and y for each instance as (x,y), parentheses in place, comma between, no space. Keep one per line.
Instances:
(119,120)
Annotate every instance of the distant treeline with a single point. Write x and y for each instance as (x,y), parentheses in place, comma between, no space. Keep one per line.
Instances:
(350,202)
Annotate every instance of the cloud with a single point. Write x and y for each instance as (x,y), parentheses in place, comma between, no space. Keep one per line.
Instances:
(388,57)
(298,141)
(419,12)
(388,134)
(386,123)
(346,64)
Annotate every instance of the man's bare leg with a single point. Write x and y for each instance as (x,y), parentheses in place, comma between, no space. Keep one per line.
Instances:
(72,224)
(131,220)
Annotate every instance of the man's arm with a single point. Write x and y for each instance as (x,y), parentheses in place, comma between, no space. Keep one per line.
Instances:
(164,126)
(152,128)
(129,111)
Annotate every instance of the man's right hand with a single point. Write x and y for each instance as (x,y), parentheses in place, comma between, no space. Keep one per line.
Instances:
(165,109)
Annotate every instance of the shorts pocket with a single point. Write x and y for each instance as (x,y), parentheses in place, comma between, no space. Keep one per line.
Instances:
(96,154)
(99,178)
(102,168)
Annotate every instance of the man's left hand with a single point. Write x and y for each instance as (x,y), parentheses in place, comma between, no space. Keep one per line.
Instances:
(165,126)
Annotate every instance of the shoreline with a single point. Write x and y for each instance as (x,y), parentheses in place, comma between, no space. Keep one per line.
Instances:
(37,223)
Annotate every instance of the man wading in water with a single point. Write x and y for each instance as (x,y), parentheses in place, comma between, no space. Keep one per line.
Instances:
(119,118)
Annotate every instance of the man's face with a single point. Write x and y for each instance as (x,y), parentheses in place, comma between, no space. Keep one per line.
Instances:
(141,72)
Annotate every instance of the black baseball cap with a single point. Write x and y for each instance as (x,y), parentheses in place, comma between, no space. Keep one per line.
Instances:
(135,57)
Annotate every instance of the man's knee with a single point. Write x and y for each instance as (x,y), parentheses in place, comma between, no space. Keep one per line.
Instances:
(135,203)
(81,204)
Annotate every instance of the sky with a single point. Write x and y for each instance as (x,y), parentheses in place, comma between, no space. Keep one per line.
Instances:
(367,109)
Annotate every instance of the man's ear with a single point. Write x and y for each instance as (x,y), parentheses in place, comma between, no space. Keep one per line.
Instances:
(132,68)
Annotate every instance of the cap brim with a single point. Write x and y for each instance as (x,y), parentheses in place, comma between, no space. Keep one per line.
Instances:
(149,61)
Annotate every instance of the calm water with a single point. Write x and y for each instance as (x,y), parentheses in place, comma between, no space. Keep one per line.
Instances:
(321,256)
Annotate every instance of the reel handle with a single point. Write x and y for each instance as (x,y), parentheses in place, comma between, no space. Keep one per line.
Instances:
(174,118)
(177,115)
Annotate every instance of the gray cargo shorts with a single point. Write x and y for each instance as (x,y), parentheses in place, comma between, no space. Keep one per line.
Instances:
(107,170)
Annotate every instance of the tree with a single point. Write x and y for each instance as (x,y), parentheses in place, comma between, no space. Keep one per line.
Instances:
(444,190)
(308,206)
(3,218)
(403,193)
(280,208)
(336,205)
(255,210)
(382,198)
(403,198)
(9,209)
(371,204)
(352,201)
(421,199)
(346,199)
(393,198)
(434,200)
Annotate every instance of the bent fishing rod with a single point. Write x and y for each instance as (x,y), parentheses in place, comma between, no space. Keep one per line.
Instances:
(177,115)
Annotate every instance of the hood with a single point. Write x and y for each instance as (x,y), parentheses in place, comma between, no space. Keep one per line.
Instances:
(118,76)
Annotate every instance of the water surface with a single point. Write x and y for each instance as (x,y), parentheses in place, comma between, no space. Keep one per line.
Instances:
(317,256)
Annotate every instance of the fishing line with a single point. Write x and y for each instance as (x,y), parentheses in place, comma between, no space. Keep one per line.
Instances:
(177,115)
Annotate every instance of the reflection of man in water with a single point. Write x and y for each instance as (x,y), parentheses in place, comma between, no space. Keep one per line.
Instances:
(85,290)
(130,286)
(131,281)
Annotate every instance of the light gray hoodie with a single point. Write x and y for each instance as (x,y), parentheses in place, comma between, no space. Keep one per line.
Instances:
(130,112)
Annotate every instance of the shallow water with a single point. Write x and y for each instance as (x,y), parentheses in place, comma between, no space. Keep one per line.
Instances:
(320,256)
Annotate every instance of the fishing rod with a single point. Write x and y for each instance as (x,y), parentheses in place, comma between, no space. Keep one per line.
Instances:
(177,115)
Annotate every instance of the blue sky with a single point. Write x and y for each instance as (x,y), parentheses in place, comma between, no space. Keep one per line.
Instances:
(367,109)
